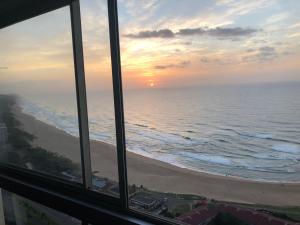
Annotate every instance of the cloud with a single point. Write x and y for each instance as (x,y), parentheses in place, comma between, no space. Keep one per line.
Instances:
(187,43)
(261,41)
(140,9)
(262,54)
(296,25)
(277,18)
(294,35)
(224,2)
(266,50)
(164,33)
(267,53)
(218,32)
(204,60)
(287,53)
(217,61)
(191,31)
(231,32)
(179,65)
(250,50)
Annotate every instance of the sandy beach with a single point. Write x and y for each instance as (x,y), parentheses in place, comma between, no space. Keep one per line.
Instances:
(160,176)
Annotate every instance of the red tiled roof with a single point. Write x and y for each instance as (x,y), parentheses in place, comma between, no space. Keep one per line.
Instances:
(199,216)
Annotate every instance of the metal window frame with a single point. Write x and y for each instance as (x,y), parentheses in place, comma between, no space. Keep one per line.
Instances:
(74,199)
(14,11)
(65,197)
(81,94)
(71,198)
(118,99)
(80,87)
(119,116)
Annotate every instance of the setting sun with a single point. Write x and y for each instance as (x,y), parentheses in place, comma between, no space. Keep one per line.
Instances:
(160,111)
(151,83)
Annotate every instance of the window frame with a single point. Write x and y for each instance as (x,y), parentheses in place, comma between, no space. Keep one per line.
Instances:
(81,95)
(78,199)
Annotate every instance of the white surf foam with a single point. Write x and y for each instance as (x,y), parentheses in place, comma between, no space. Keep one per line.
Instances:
(287,148)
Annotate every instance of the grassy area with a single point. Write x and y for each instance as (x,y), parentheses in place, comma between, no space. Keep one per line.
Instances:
(284,212)
(291,213)
(188,197)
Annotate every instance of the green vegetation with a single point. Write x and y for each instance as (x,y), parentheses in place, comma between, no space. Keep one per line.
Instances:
(20,151)
(180,210)
(291,213)
(132,189)
(188,197)
(226,219)
(212,205)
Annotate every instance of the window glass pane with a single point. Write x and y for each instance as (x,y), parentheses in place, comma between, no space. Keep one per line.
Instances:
(212,109)
(38,112)
(19,210)
(100,96)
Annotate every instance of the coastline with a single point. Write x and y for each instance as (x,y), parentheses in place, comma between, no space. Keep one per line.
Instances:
(160,176)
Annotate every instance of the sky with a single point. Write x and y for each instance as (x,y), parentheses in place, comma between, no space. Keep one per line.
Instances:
(164,43)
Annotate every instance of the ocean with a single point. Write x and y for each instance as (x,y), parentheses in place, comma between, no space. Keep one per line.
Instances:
(249,131)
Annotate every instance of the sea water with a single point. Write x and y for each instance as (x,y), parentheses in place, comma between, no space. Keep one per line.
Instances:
(248,130)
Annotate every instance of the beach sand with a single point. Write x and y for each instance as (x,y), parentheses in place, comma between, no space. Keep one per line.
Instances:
(160,176)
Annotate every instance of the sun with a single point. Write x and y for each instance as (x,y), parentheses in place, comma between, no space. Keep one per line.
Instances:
(151,83)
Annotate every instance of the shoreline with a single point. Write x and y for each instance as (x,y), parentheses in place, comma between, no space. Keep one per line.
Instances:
(19,109)
(161,176)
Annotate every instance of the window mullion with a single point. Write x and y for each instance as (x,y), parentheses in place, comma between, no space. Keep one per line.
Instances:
(118,99)
(81,94)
